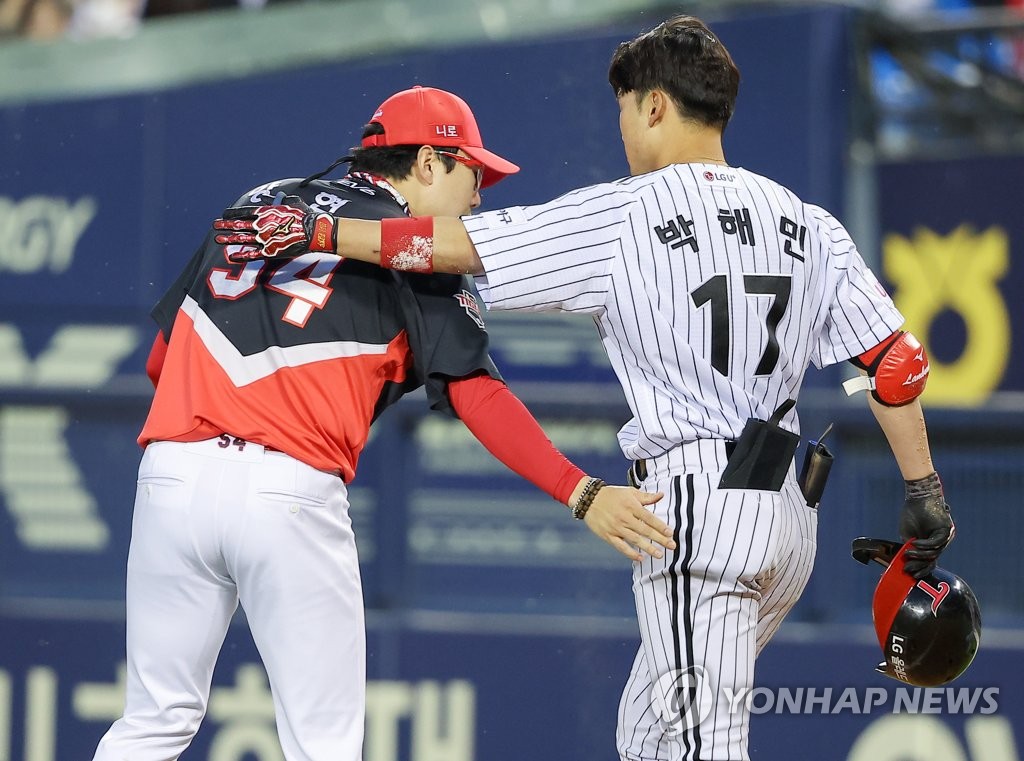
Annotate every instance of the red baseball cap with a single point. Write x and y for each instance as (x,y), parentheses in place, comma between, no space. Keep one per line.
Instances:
(428,116)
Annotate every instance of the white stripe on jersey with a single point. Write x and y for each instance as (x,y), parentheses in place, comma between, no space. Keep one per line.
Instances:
(243,370)
(712,288)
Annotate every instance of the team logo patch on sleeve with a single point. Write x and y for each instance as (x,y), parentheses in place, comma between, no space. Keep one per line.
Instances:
(468,302)
(514,215)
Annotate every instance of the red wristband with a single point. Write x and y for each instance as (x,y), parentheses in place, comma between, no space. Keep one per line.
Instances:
(407,243)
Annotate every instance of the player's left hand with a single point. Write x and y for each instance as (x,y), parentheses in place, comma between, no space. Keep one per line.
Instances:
(927,521)
(619,516)
(281,231)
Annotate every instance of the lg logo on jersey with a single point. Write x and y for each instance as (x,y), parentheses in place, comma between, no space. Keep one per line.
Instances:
(722,176)
(40,233)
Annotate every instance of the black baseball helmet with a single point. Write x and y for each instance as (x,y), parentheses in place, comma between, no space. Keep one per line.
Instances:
(929,629)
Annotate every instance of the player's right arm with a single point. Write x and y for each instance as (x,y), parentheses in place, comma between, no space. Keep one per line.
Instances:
(412,244)
(450,249)
(553,257)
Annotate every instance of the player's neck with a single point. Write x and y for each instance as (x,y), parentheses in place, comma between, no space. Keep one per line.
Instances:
(695,145)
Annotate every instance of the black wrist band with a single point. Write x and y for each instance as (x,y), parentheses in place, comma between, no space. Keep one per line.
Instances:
(929,486)
(586,498)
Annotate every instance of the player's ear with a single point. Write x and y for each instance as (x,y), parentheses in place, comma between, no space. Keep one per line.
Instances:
(656,106)
(426,166)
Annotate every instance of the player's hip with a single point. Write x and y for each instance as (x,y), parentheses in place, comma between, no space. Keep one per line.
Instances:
(711,498)
(251,469)
(729,541)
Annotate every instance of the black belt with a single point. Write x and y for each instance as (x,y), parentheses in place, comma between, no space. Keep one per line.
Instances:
(638,470)
(759,459)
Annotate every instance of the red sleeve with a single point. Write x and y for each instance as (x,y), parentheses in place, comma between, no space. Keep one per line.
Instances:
(155,362)
(509,432)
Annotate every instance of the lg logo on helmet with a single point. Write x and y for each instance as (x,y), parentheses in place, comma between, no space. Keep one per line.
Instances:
(896,641)
(899,666)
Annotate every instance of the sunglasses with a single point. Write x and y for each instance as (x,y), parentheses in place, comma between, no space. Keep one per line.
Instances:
(472,164)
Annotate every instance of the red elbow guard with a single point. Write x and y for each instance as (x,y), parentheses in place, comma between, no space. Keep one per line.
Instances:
(897,370)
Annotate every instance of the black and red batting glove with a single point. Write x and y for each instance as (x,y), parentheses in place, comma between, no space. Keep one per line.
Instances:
(283,232)
(926,521)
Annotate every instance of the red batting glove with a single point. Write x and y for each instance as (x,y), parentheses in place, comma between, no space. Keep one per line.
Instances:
(277,231)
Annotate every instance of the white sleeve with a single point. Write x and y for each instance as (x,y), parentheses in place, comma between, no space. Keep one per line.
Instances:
(860,313)
(556,256)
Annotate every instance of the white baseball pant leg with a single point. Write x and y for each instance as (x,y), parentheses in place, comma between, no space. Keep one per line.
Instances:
(742,561)
(214,524)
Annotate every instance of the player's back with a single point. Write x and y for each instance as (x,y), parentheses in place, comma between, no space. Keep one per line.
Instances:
(299,355)
(730,286)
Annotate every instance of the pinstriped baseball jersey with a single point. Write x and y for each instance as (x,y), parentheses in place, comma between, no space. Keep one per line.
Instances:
(712,287)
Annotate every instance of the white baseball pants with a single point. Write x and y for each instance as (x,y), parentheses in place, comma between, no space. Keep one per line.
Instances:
(708,608)
(220,522)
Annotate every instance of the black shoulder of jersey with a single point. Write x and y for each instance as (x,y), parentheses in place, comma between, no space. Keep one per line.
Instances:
(345,197)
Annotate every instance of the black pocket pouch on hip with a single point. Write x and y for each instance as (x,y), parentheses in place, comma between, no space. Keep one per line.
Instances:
(817,464)
(762,455)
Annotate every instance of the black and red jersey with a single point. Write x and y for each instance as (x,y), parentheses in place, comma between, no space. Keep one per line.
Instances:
(302,355)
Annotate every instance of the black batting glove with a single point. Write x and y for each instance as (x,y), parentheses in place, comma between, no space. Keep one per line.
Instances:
(925,520)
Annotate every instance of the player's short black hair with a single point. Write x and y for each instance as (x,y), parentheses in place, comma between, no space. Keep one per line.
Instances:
(393,162)
(682,57)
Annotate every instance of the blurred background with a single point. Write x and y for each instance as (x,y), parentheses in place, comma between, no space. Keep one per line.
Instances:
(499,629)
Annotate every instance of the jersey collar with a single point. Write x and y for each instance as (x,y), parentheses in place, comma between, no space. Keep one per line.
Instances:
(383,184)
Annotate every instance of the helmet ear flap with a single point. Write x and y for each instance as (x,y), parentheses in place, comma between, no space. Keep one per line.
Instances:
(929,629)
